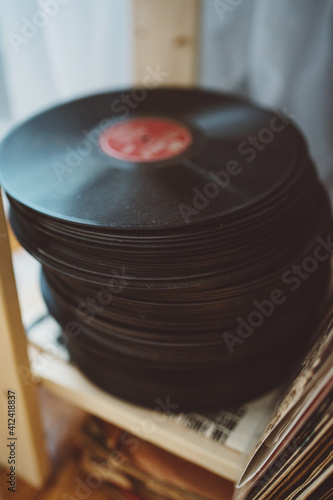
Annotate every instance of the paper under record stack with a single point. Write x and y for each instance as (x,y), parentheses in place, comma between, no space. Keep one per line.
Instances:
(273,447)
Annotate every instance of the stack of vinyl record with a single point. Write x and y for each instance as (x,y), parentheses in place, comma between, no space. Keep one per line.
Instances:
(184,238)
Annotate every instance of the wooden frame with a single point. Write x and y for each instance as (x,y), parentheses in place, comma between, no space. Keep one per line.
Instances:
(31,457)
(166,38)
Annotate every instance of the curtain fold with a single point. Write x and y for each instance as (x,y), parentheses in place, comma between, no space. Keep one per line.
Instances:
(279,54)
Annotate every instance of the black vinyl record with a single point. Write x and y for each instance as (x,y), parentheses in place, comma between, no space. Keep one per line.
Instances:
(69,176)
(177,238)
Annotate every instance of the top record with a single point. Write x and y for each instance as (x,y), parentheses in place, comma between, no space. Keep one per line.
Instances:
(140,159)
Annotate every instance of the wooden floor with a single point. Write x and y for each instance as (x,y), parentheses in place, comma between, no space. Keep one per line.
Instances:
(66,479)
(66,484)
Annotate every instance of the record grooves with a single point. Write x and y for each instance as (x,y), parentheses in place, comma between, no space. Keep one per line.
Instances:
(169,259)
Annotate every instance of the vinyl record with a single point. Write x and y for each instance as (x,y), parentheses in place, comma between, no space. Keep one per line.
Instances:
(71,175)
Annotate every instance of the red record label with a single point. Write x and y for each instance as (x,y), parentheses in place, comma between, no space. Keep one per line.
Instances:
(145,139)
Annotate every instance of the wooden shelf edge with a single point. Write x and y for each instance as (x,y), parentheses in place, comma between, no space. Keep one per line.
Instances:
(66,381)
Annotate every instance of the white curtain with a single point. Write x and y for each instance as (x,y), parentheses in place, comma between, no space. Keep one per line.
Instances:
(277,52)
(280,54)
(54,50)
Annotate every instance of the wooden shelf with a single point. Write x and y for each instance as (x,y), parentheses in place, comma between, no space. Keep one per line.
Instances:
(66,381)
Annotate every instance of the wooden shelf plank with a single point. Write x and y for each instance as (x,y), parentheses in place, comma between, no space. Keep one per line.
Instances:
(31,459)
(166,38)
